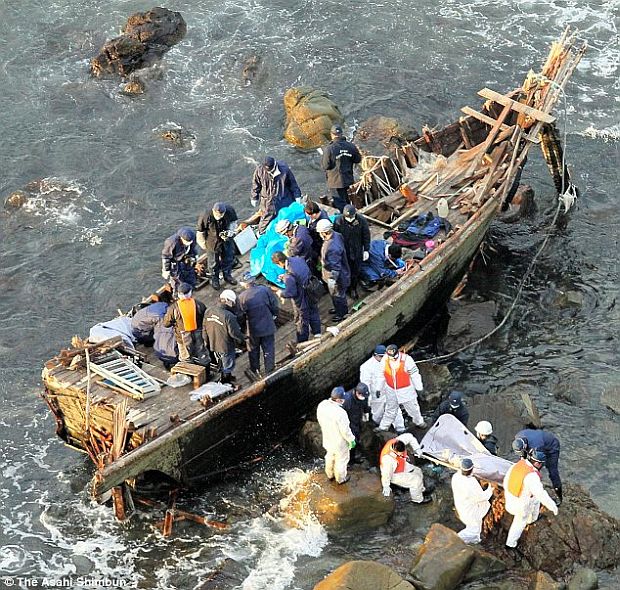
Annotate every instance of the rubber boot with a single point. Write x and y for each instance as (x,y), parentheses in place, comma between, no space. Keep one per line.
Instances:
(558,493)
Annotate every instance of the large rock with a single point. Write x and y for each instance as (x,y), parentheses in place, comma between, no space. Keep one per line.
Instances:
(309,116)
(583,579)
(469,322)
(146,37)
(378,133)
(363,575)
(436,379)
(543,581)
(443,560)
(354,506)
(310,439)
(484,565)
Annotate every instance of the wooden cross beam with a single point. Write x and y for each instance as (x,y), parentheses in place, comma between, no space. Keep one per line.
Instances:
(482,117)
(516,106)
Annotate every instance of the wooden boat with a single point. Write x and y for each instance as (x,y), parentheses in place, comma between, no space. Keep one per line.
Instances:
(472,164)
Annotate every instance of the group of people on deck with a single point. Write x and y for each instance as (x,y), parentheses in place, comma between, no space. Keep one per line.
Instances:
(318,254)
(390,380)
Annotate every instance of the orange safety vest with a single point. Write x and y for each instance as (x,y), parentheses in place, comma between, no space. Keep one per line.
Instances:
(399,378)
(517,476)
(401,458)
(187,307)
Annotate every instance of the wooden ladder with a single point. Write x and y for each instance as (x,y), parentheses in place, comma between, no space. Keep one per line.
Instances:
(127,378)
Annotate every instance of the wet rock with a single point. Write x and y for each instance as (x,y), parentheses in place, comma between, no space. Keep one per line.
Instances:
(229,574)
(309,116)
(443,560)
(135,86)
(523,205)
(468,322)
(378,133)
(543,581)
(569,299)
(580,534)
(310,439)
(363,575)
(436,379)
(252,70)
(140,79)
(16,200)
(146,37)
(583,579)
(484,565)
(611,398)
(354,506)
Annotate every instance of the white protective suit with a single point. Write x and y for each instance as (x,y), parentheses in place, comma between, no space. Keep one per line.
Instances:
(337,435)
(405,396)
(371,373)
(471,503)
(411,478)
(526,506)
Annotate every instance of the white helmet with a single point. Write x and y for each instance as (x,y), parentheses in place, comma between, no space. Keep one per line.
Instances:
(228,295)
(483,427)
(324,225)
(283,226)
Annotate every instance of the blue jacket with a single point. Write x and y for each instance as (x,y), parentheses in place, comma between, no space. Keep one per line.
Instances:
(165,347)
(334,261)
(300,244)
(297,275)
(378,266)
(175,252)
(542,440)
(275,192)
(144,320)
(258,305)
(337,161)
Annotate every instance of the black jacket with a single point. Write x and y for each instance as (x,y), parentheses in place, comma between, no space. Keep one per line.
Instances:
(221,330)
(355,409)
(212,227)
(462,413)
(174,318)
(259,305)
(339,155)
(356,237)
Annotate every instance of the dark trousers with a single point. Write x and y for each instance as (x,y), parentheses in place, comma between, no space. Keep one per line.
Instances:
(340,197)
(355,265)
(268,345)
(339,299)
(307,318)
(221,259)
(552,468)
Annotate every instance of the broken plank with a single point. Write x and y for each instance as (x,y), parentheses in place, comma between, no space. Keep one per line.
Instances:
(516,106)
(482,117)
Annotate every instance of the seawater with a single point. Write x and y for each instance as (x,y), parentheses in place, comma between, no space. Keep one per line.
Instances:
(77,253)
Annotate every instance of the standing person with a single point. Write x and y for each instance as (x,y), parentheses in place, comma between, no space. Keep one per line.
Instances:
(273,188)
(357,409)
(299,240)
(222,333)
(453,405)
(549,444)
(178,258)
(314,214)
(354,229)
(395,469)
(524,493)
(470,500)
(338,158)
(334,268)
(337,435)
(186,316)
(216,228)
(371,373)
(484,433)
(296,279)
(403,385)
(259,307)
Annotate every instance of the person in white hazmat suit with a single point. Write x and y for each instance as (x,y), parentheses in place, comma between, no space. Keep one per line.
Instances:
(371,373)
(403,384)
(395,469)
(337,436)
(470,500)
(524,493)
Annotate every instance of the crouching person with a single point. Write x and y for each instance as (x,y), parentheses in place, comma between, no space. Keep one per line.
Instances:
(396,469)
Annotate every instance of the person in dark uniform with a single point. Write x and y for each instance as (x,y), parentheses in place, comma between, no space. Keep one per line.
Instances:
(354,229)
(216,228)
(484,433)
(299,240)
(338,158)
(143,322)
(334,268)
(186,316)
(453,405)
(273,188)
(357,408)
(295,280)
(178,258)
(314,214)
(259,307)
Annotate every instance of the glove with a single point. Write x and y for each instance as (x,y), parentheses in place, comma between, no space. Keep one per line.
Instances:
(165,274)
(387,491)
(352,444)
(418,453)
(365,417)
(254,202)
(331,284)
(365,256)
(231,233)
(555,512)
(299,200)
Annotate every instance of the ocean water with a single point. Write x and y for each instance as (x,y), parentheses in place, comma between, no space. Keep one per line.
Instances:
(111,191)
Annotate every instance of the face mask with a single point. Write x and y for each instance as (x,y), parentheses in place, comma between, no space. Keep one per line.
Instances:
(185,242)
(218,215)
